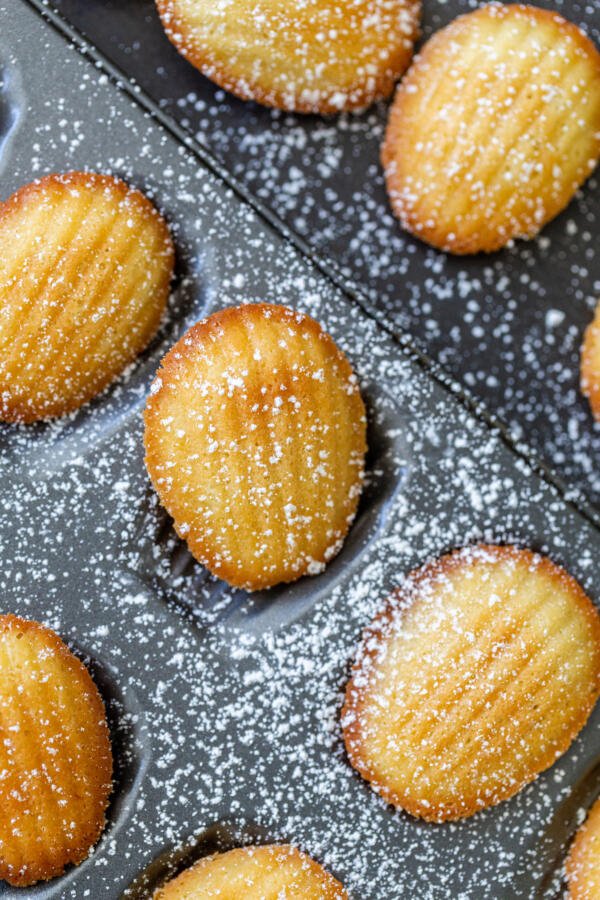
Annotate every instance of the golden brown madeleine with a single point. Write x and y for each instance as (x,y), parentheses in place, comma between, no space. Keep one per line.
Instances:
(55,755)
(255,873)
(590,364)
(583,862)
(255,443)
(84,278)
(494,127)
(318,56)
(476,677)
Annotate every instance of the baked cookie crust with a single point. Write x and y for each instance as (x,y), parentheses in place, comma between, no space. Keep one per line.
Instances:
(477,675)
(494,127)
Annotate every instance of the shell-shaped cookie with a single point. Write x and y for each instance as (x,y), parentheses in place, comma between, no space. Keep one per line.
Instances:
(255,873)
(84,278)
(493,129)
(318,56)
(583,862)
(476,677)
(590,364)
(255,443)
(55,755)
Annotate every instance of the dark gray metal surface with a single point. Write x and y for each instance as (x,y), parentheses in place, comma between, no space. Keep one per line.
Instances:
(507,326)
(225,708)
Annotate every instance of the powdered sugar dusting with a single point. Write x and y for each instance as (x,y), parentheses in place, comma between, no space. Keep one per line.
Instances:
(327,58)
(236,702)
(484,321)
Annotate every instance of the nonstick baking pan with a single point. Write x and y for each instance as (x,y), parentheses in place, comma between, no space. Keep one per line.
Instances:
(508,326)
(224,707)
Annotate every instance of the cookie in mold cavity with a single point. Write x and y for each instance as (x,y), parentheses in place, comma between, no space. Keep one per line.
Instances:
(206,600)
(84,283)
(219,837)
(44,450)
(266,872)
(476,676)
(255,436)
(56,755)
(130,748)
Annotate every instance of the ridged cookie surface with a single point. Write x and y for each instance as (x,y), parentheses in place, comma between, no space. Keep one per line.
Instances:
(84,278)
(274,872)
(255,443)
(494,127)
(590,364)
(475,678)
(318,56)
(583,862)
(55,755)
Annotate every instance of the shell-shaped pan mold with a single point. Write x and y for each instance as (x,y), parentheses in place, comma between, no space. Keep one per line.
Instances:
(227,834)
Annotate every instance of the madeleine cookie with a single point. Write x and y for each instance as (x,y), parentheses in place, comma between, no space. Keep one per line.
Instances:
(84,278)
(583,862)
(319,56)
(255,443)
(255,873)
(493,129)
(477,676)
(55,755)
(590,364)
